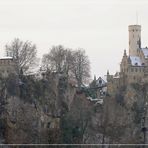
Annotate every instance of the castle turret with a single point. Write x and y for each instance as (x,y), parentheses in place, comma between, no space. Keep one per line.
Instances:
(134,39)
(108,76)
(124,62)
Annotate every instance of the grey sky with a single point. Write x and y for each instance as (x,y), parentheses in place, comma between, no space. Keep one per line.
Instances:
(99,26)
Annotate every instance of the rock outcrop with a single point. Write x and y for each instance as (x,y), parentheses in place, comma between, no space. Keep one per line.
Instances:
(50,110)
(33,108)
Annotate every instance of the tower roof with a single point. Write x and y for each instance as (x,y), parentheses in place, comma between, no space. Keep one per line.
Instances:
(145,52)
(136,61)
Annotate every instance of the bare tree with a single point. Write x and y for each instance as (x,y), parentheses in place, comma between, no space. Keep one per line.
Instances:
(69,59)
(24,54)
(74,63)
(58,59)
(46,64)
(81,67)
(54,60)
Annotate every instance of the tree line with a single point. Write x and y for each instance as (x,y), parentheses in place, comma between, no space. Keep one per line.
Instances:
(74,63)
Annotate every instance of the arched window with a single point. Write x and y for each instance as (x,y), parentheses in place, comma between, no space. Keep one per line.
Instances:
(100,81)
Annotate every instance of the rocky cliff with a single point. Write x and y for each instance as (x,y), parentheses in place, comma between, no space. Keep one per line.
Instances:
(32,108)
(122,118)
(51,110)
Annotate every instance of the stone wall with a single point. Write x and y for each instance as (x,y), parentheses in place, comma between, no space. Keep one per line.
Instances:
(7,66)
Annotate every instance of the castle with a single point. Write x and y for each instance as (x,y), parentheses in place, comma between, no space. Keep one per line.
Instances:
(133,67)
(7,66)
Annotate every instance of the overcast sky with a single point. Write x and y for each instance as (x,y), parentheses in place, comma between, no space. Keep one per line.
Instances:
(98,26)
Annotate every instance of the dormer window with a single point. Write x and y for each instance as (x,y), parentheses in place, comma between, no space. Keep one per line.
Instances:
(100,81)
(136,64)
(143,64)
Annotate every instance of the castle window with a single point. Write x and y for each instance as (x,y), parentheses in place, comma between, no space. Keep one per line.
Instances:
(131,69)
(135,69)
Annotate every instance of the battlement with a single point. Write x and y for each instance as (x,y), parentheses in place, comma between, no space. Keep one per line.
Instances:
(134,28)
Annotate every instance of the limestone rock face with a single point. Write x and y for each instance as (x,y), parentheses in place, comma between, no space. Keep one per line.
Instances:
(52,111)
(120,118)
(23,122)
(32,115)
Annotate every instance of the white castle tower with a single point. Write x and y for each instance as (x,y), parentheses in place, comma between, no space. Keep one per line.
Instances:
(134,39)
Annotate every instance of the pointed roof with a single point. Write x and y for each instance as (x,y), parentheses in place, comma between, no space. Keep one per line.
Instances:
(100,82)
(107,72)
(125,52)
(94,77)
(145,52)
